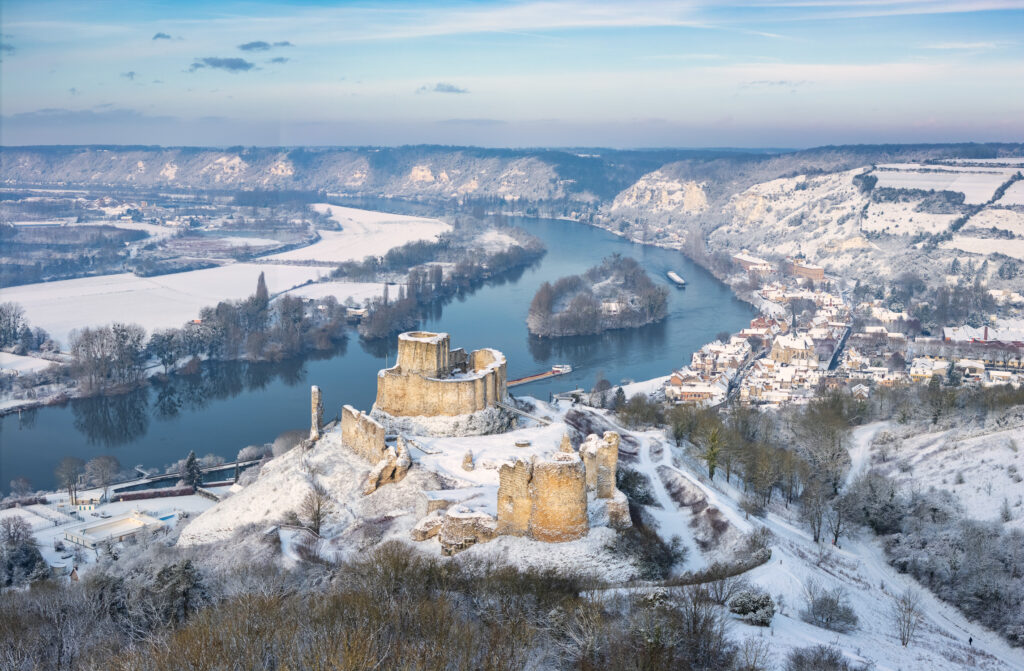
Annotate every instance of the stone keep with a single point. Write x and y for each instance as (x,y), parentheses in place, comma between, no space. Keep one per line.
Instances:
(425,381)
(317,410)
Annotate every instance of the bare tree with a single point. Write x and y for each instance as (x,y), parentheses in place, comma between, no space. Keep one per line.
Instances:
(907,614)
(101,472)
(316,507)
(20,486)
(67,473)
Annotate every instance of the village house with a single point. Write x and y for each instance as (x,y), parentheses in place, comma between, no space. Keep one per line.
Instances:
(923,368)
(802,268)
(688,386)
(753,264)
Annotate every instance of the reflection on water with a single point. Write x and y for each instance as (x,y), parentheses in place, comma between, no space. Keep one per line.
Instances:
(588,351)
(227,406)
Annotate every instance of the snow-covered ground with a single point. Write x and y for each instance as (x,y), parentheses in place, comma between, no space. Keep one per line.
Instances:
(364,233)
(157,302)
(986,246)
(982,468)
(977,184)
(17,364)
(900,219)
(357,291)
(1014,195)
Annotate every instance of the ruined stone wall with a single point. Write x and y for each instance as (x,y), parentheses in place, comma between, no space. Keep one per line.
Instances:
(317,413)
(601,458)
(362,434)
(514,503)
(543,499)
(559,493)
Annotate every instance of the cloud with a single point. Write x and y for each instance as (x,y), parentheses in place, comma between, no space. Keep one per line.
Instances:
(161,36)
(965,46)
(441,87)
(129,75)
(279,59)
(285,43)
(73,91)
(7,48)
(255,46)
(229,64)
(776,82)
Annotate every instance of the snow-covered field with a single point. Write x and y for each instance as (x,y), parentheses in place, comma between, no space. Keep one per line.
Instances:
(364,233)
(1014,248)
(22,364)
(357,291)
(157,302)
(900,219)
(1000,217)
(977,184)
(1014,195)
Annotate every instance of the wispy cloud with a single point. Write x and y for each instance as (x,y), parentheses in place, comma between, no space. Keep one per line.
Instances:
(229,64)
(441,87)
(7,48)
(278,59)
(161,36)
(284,43)
(776,82)
(966,46)
(129,75)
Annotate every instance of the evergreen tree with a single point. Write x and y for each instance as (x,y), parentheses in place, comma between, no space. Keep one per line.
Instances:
(191,472)
(620,398)
(262,294)
(181,591)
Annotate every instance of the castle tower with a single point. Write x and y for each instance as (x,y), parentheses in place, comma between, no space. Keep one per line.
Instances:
(424,353)
(558,490)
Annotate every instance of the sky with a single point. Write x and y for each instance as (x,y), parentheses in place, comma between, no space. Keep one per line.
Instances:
(648,73)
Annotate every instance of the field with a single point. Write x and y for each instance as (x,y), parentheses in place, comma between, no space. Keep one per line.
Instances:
(154,302)
(977,184)
(364,233)
(1013,248)
(900,218)
(1014,195)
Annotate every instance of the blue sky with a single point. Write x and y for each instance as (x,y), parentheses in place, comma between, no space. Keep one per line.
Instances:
(757,73)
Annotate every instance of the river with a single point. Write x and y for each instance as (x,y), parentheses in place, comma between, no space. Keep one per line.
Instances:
(233,405)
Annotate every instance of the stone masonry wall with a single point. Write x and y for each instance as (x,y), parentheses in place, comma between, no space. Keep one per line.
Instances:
(362,434)
(514,503)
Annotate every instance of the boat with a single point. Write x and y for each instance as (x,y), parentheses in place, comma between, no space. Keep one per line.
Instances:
(676,279)
(561,368)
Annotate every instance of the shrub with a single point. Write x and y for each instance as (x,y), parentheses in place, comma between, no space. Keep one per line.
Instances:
(820,658)
(634,485)
(753,606)
(653,556)
(828,608)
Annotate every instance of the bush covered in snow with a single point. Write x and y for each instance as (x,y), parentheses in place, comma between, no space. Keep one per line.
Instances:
(753,606)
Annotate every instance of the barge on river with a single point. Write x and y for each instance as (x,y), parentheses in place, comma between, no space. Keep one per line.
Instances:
(560,369)
(676,279)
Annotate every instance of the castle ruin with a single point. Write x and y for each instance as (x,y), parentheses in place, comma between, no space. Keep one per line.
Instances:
(435,390)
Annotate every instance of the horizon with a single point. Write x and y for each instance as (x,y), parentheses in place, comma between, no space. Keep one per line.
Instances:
(750,74)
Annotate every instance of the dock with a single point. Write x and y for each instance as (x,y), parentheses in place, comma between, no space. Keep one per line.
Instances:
(554,372)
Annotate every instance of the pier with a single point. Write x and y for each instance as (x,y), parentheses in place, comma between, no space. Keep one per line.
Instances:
(554,372)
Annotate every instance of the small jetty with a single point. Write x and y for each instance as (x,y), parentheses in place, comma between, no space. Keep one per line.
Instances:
(676,279)
(560,369)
